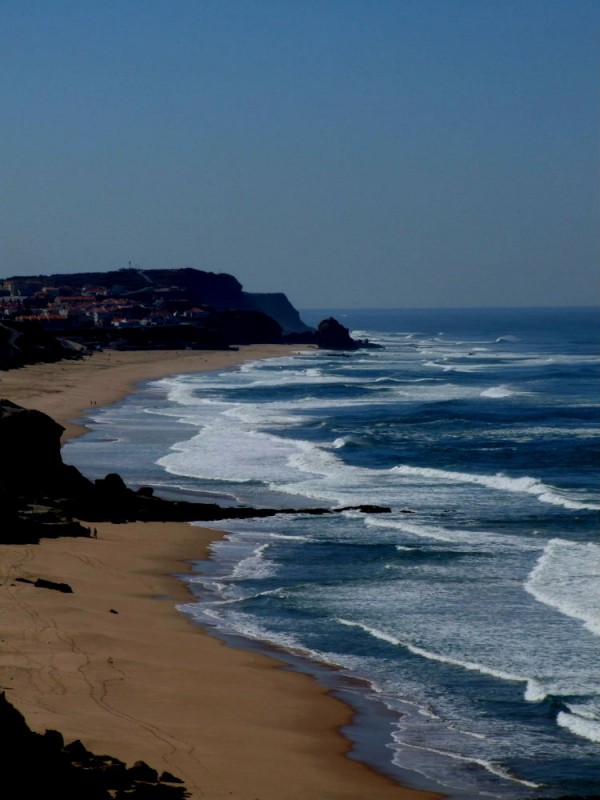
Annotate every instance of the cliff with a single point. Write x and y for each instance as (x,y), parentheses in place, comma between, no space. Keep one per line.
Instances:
(277,306)
(188,287)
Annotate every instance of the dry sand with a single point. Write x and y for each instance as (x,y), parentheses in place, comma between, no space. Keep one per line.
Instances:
(67,389)
(144,683)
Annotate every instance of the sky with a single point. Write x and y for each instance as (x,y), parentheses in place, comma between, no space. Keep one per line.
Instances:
(350,153)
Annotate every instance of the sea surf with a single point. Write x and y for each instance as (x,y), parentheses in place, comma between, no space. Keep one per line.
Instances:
(464,625)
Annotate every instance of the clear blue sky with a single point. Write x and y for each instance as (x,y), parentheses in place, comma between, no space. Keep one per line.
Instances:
(373,153)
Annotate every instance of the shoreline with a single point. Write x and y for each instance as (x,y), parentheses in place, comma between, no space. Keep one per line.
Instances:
(178,698)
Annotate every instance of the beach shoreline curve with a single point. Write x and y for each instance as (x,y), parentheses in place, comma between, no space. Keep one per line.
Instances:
(117,666)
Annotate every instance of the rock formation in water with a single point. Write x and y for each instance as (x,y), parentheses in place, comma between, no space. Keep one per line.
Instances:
(332,335)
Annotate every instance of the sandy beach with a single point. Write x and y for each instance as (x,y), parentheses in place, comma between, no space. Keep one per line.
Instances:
(116,665)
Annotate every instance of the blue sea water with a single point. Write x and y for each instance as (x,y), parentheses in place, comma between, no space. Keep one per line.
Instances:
(470,615)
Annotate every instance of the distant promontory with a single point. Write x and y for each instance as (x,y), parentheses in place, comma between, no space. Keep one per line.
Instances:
(49,317)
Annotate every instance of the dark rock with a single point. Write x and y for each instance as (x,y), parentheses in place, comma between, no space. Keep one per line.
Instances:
(140,771)
(306,337)
(168,777)
(77,752)
(112,484)
(331,335)
(152,791)
(368,509)
(42,583)
(54,739)
(33,765)
(111,774)
(30,447)
(28,343)
(48,505)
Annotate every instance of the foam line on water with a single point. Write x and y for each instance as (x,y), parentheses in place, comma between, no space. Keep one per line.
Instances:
(566,577)
(244,625)
(255,566)
(502,391)
(279,592)
(453,536)
(580,726)
(499,482)
(419,651)
(489,766)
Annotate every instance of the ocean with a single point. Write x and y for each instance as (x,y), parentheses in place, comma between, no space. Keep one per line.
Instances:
(463,626)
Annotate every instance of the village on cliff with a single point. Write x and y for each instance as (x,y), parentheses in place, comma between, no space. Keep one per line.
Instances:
(47,317)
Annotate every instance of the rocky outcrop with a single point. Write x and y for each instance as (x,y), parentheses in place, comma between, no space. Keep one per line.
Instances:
(33,478)
(332,335)
(41,496)
(34,765)
(24,343)
(31,463)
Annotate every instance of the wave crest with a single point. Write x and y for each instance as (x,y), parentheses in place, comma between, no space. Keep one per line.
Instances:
(501,482)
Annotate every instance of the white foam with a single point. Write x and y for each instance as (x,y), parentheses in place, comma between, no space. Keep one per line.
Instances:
(377,634)
(222,451)
(500,482)
(536,692)
(252,366)
(312,459)
(340,442)
(419,651)
(501,392)
(567,577)
(311,376)
(279,592)
(242,624)
(182,392)
(265,414)
(489,766)
(581,726)
(255,565)
(290,537)
(459,367)
(455,536)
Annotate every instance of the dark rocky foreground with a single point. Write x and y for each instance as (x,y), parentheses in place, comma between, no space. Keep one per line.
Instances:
(37,766)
